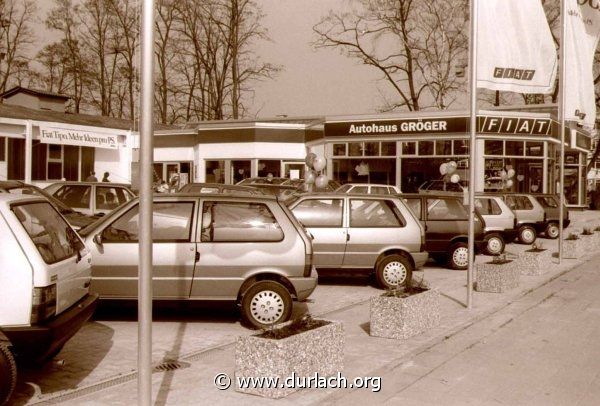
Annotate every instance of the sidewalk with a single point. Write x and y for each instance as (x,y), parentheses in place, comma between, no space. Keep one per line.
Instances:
(364,355)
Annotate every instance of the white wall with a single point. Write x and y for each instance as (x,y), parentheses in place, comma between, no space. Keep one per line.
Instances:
(176,154)
(115,161)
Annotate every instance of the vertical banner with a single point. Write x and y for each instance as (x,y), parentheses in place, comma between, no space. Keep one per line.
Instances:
(582,26)
(516,49)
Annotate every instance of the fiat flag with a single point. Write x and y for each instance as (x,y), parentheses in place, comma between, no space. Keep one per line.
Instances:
(515,49)
(582,26)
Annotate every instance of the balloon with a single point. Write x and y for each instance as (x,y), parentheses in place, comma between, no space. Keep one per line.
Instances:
(509,183)
(510,173)
(322,181)
(309,177)
(520,178)
(444,168)
(503,175)
(455,178)
(310,157)
(451,167)
(319,163)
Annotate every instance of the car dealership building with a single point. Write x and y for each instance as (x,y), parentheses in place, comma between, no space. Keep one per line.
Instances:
(41,144)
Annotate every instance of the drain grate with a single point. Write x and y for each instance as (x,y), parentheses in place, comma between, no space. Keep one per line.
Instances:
(170,366)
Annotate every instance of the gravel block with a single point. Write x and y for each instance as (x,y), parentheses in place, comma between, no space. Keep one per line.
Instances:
(497,277)
(533,263)
(574,248)
(401,318)
(318,351)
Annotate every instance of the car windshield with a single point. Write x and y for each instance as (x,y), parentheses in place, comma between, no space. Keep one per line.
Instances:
(32,190)
(48,231)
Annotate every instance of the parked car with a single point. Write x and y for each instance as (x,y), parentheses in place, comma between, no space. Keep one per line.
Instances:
(439,186)
(303,187)
(219,188)
(263,180)
(500,222)
(91,198)
(446,223)
(531,217)
(376,233)
(248,249)
(44,284)
(369,188)
(551,205)
(76,219)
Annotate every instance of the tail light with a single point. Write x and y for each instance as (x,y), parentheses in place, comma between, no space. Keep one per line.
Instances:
(43,304)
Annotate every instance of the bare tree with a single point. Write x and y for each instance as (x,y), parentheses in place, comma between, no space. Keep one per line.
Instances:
(125,40)
(16,20)
(411,43)
(63,18)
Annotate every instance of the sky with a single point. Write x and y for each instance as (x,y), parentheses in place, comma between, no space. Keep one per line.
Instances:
(312,82)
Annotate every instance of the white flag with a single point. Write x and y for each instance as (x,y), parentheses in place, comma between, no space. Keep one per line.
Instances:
(515,49)
(582,32)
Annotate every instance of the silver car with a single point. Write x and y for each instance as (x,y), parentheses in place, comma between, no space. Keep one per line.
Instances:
(91,198)
(377,233)
(500,222)
(208,247)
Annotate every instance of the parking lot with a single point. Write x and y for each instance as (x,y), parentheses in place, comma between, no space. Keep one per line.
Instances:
(105,350)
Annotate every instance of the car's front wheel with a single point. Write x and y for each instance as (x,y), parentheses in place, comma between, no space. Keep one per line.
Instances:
(527,235)
(266,303)
(458,256)
(552,231)
(494,244)
(8,374)
(394,271)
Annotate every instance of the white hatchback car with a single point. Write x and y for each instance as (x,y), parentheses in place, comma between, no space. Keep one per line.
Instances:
(45,275)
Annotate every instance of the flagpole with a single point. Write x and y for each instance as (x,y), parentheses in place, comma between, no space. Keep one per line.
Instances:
(562,83)
(472,148)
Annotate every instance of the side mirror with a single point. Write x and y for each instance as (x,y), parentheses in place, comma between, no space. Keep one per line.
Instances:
(98,239)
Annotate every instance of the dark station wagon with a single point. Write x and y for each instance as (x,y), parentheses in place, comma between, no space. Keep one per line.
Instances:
(446,223)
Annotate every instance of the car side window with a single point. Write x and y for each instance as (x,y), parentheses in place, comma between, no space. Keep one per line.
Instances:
(239,222)
(47,230)
(320,212)
(171,222)
(494,207)
(446,209)
(380,190)
(527,205)
(76,196)
(375,213)
(107,198)
(487,207)
(359,189)
(415,206)
(512,203)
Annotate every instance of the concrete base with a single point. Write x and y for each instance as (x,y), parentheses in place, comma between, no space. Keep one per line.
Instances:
(574,249)
(497,278)
(318,351)
(401,318)
(533,263)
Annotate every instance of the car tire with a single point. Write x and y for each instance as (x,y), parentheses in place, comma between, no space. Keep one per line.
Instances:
(552,231)
(458,256)
(266,303)
(8,373)
(527,235)
(494,244)
(393,271)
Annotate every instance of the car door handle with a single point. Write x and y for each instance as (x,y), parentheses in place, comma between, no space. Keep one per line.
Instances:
(197,258)
(347,237)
